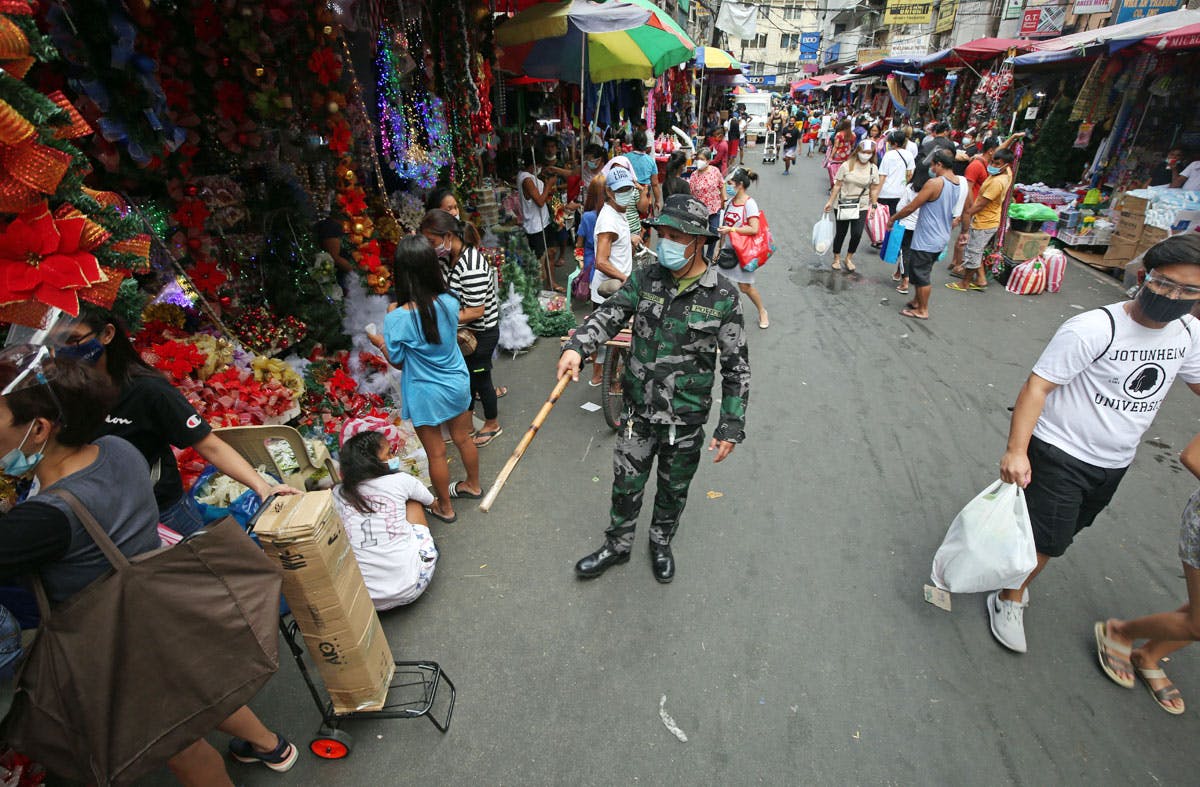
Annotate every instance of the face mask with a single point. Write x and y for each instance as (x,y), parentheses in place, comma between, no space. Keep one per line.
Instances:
(17,464)
(932,174)
(701,165)
(629,198)
(394,464)
(730,191)
(994,170)
(672,255)
(88,352)
(968,140)
(1160,308)
(864,157)
(443,251)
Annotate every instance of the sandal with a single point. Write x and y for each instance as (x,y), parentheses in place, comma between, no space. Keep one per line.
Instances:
(912,314)
(902,290)
(449,520)
(501,392)
(896,276)
(487,437)
(953,285)
(1163,695)
(850,267)
(1113,665)
(837,265)
(456,492)
(977,287)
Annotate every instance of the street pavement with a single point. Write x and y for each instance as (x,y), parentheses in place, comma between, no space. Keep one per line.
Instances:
(794,646)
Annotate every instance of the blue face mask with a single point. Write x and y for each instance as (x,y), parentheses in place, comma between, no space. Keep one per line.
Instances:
(88,352)
(17,464)
(994,170)
(394,464)
(932,174)
(672,255)
(730,191)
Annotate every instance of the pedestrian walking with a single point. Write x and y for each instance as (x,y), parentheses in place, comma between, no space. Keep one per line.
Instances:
(741,216)
(720,150)
(983,219)
(1091,397)
(1164,632)
(791,140)
(896,168)
(673,182)
(709,187)
(840,150)
(684,312)
(855,192)
(941,203)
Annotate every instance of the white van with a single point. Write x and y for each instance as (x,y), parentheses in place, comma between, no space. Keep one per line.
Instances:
(758,107)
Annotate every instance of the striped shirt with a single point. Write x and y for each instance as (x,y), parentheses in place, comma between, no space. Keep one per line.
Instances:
(473,282)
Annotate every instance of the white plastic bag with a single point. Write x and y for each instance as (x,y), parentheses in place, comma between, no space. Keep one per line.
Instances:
(822,236)
(989,544)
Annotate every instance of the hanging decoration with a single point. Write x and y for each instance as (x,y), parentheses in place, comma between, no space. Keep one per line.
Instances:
(412,122)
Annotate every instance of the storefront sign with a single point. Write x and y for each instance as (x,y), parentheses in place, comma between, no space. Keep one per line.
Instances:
(906,12)
(1140,9)
(871,55)
(1013,9)
(1044,22)
(833,53)
(1091,7)
(762,80)
(945,16)
(916,47)
(810,45)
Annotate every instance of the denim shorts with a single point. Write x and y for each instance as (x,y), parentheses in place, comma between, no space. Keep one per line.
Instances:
(183,516)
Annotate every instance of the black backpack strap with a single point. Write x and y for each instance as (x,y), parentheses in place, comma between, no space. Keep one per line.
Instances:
(1112,327)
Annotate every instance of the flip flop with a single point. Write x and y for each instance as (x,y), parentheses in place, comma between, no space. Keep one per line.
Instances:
(950,285)
(595,384)
(977,288)
(912,314)
(454,492)
(449,520)
(1112,665)
(487,437)
(501,392)
(1163,695)
(902,290)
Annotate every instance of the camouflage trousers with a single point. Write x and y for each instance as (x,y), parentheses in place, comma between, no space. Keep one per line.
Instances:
(638,442)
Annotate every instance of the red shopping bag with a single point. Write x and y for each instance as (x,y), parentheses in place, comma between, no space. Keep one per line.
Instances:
(877,220)
(1056,267)
(1028,278)
(753,251)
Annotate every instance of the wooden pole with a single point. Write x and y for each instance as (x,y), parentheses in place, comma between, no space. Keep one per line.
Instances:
(492,493)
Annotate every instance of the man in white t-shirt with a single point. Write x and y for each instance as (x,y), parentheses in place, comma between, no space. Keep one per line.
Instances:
(1092,395)
(614,249)
(1189,179)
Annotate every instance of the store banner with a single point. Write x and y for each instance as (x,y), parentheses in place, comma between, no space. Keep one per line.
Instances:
(906,12)
(1043,22)
(1013,9)
(917,46)
(810,47)
(739,20)
(833,53)
(1140,9)
(871,55)
(1083,7)
(945,16)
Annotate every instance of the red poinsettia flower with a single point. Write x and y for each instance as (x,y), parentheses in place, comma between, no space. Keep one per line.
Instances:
(207,276)
(191,213)
(339,137)
(368,256)
(341,383)
(178,359)
(42,259)
(231,100)
(326,65)
(353,201)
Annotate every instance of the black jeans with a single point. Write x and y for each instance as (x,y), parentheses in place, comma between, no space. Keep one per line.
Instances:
(479,365)
(854,227)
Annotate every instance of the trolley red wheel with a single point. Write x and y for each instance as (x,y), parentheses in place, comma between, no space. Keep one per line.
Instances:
(331,744)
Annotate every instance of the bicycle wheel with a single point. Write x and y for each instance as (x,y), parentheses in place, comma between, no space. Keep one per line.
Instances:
(613,371)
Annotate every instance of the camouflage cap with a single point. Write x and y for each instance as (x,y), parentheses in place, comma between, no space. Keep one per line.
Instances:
(684,213)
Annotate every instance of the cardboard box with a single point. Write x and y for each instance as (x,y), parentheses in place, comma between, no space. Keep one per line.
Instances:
(1129,225)
(1120,251)
(1021,246)
(1152,235)
(324,588)
(1132,204)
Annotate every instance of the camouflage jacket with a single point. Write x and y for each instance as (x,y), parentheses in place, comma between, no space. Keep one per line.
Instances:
(669,374)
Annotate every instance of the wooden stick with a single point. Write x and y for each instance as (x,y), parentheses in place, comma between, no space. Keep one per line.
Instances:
(490,497)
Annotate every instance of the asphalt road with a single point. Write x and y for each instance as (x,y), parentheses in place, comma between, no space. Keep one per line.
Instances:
(794,646)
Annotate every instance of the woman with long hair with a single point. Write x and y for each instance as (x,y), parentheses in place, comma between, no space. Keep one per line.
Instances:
(585,237)
(420,337)
(154,416)
(472,279)
(844,141)
(855,192)
(674,183)
(741,216)
(48,429)
(383,510)
(535,195)
(444,199)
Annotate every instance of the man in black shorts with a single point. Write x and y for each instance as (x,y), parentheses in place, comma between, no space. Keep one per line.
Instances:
(1092,395)
(940,201)
(791,140)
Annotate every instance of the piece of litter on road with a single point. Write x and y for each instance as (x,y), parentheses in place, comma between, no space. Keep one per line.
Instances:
(1076,306)
(794,708)
(883,300)
(904,336)
(762,700)
(857,736)
(669,722)
(591,407)
(484,565)
(1108,579)
(937,597)
(713,494)
(595,479)
(379,737)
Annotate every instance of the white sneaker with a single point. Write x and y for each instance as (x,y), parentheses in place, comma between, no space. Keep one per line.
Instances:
(1007,619)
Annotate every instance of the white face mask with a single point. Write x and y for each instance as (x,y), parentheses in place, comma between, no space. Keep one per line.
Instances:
(701,164)
(864,157)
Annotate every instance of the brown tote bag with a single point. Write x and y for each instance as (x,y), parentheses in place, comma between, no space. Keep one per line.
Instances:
(149,658)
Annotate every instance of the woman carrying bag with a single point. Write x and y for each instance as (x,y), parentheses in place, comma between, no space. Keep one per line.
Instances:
(840,149)
(741,217)
(855,191)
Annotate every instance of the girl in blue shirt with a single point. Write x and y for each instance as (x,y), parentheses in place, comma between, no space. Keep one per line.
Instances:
(420,338)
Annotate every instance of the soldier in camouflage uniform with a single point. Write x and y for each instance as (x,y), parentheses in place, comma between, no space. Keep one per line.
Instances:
(683,312)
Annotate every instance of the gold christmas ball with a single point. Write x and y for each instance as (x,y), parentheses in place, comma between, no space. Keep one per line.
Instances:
(333,107)
(358,227)
(258,72)
(327,30)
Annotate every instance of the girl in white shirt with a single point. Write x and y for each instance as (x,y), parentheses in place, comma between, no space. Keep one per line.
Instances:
(383,511)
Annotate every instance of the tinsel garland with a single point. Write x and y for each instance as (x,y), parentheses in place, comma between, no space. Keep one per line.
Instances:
(412,122)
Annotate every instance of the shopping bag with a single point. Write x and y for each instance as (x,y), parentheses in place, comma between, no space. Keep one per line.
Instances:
(753,251)
(822,234)
(989,544)
(891,246)
(1056,267)
(1028,278)
(877,221)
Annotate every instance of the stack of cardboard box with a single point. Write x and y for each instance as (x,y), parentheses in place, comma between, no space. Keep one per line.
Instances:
(1132,236)
(324,589)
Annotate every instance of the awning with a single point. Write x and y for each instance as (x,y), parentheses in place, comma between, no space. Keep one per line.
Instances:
(1187,37)
(1122,35)
(960,56)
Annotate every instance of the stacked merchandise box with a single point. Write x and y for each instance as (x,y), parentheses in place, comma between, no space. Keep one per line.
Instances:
(324,588)
(1132,236)
(1021,246)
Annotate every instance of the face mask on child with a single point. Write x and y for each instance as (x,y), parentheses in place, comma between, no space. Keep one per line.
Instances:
(864,157)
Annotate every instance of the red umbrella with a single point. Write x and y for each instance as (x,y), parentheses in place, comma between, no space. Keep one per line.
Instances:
(1186,37)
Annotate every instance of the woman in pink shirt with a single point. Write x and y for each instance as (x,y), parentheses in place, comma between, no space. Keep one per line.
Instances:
(708,187)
